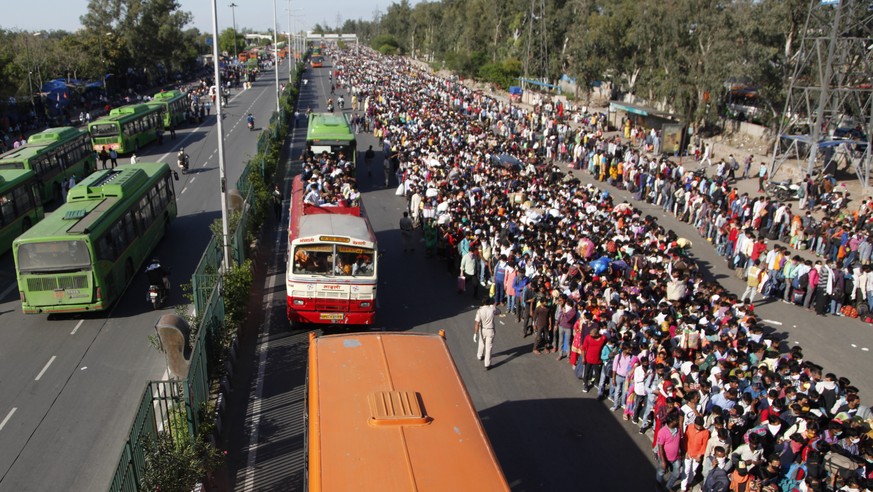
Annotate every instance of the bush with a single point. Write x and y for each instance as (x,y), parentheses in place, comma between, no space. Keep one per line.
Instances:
(503,73)
(176,466)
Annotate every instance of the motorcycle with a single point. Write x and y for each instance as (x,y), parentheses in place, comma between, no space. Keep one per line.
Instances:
(783,190)
(157,296)
(330,108)
(251,125)
(182,162)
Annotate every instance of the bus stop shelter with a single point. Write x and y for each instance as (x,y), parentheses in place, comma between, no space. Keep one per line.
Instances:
(669,126)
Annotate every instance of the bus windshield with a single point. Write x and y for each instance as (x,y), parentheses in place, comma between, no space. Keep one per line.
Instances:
(105,130)
(337,261)
(53,256)
(12,165)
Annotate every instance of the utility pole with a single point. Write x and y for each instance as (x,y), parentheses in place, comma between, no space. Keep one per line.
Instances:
(222,172)
(276,58)
(233,7)
(829,90)
(29,70)
(292,62)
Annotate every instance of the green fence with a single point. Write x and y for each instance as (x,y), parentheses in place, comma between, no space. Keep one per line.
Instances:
(179,407)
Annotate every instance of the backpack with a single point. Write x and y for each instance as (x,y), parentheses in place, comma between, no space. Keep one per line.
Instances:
(802,281)
(792,480)
(716,481)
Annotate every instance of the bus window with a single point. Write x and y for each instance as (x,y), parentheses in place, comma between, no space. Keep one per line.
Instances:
(354,261)
(315,259)
(53,256)
(107,130)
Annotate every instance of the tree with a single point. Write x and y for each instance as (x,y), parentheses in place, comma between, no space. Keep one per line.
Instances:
(226,41)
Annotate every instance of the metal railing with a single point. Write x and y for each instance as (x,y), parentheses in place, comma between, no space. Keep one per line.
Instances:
(178,407)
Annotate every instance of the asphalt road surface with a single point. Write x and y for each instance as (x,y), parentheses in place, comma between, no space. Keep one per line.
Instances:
(70,385)
(547,434)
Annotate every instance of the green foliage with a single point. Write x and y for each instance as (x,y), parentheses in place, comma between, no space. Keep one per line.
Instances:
(237,288)
(177,465)
(226,41)
(504,74)
(466,64)
(385,42)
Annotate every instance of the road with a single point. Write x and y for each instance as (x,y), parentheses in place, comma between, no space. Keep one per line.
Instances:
(540,423)
(71,385)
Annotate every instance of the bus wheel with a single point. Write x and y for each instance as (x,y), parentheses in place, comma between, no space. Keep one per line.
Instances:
(25,224)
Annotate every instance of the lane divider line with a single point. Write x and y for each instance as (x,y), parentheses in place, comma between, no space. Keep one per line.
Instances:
(8,416)
(44,369)
(77,327)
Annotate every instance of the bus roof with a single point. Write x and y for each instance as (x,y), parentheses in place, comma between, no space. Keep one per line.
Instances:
(328,126)
(88,201)
(167,96)
(395,416)
(309,220)
(333,225)
(55,135)
(21,153)
(125,113)
(10,178)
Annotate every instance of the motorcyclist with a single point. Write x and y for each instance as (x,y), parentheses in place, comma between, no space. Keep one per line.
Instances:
(251,121)
(158,275)
(182,159)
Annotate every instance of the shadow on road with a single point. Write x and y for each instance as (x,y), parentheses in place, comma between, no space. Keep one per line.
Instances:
(570,434)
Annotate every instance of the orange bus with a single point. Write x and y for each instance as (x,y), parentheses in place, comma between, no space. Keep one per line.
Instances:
(389,412)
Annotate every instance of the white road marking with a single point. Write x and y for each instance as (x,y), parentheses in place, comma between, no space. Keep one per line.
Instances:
(772,322)
(184,190)
(854,346)
(193,132)
(8,290)
(865,349)
(44,369)
(83,368)
(502,323)
(6,420)
(192,179)
(77,327)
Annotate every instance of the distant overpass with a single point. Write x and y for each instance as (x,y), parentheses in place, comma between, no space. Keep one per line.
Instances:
(310,36)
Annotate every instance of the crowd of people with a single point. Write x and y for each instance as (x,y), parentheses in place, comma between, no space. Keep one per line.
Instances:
(608,288)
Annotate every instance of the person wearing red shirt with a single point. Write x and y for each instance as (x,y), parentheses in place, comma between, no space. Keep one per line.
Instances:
(592,346)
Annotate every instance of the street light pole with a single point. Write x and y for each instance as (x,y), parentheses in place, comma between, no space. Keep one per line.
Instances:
(276,58)
(291,59)
(233,7)
(29,71)
(225,242)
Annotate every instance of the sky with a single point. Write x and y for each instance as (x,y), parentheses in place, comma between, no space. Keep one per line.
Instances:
(254,14)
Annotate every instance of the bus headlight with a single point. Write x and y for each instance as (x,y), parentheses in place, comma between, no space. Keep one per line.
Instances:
(298,302)
(365,304)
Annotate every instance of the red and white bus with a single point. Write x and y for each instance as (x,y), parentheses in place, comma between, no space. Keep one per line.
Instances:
(332,264)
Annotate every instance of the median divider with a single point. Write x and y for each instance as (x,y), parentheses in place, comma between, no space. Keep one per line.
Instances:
(182,418)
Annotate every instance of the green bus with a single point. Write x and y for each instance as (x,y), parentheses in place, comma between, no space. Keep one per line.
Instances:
(20,206)
(174,105)
(54,155)
(126,128)
(84,255)
(331,133)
